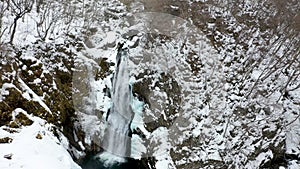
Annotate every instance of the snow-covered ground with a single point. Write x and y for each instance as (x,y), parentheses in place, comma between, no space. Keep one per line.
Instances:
(34,147)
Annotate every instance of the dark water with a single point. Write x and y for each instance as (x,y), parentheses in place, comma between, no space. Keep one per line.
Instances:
(91,162)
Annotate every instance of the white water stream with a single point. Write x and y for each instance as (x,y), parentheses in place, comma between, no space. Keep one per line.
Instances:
(117,138)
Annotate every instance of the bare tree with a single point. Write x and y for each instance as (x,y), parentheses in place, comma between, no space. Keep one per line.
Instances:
(19,8)
(47,18)
(3,9)
(38,5)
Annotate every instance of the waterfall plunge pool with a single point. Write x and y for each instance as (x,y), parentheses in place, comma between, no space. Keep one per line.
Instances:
(93,161)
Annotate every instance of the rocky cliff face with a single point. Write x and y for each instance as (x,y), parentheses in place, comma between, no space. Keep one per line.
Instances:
(218,81)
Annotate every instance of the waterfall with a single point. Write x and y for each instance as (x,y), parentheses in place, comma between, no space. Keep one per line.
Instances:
(117,138)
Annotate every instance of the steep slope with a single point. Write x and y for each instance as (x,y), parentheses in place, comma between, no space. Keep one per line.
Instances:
(214,84)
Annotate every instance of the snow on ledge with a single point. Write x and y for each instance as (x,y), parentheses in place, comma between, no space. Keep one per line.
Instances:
(35,96)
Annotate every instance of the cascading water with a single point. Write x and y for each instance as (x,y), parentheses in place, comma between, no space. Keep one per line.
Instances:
(117,138)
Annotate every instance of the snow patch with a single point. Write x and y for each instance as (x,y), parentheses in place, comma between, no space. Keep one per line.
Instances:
(28,152)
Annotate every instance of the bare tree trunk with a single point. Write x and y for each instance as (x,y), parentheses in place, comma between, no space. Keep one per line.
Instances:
(19,8)
(38,5)
(14,29)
